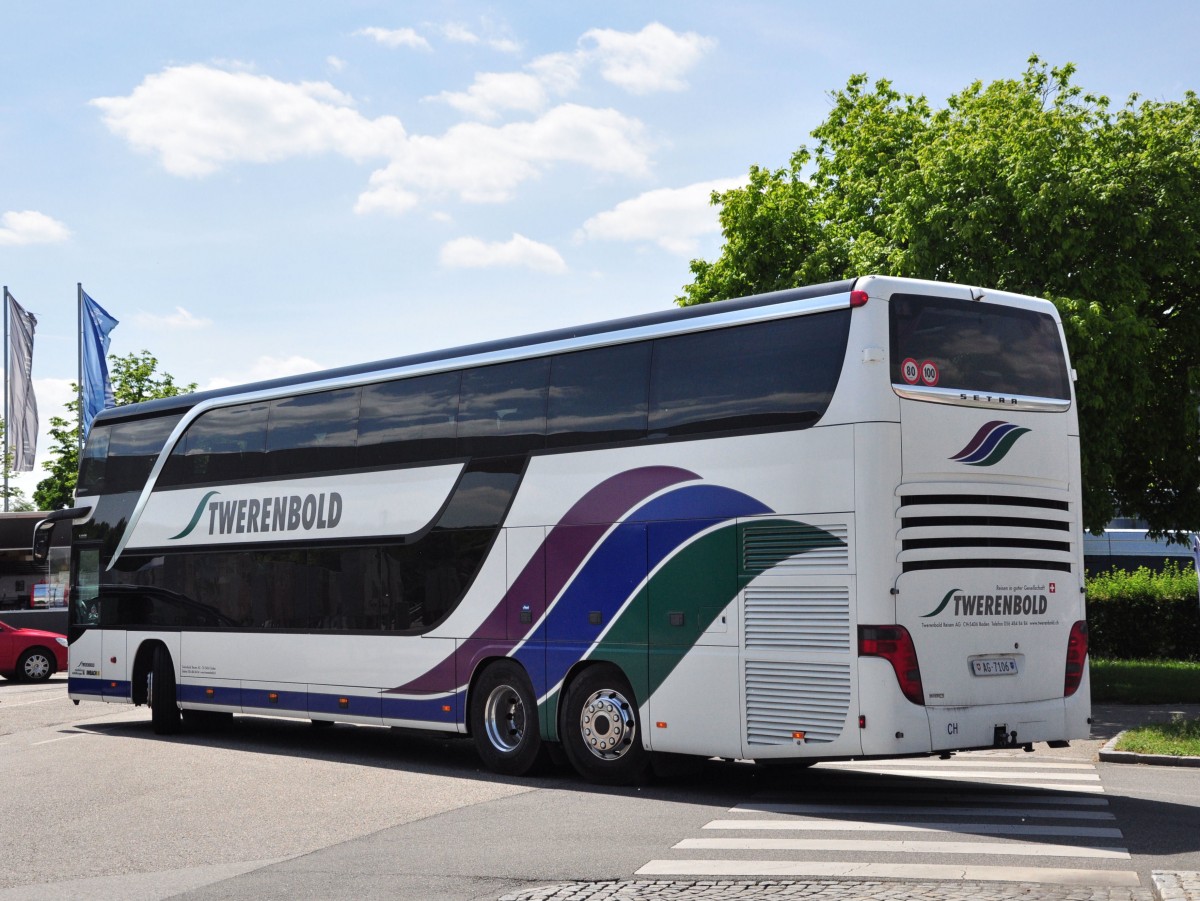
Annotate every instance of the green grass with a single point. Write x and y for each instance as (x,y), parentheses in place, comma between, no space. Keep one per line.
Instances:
(1178,738)
(1145,682)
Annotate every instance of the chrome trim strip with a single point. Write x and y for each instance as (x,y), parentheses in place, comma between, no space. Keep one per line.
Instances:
(995,401)
(804,307)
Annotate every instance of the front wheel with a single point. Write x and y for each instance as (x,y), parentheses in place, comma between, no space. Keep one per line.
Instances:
(600,728)
(504,720)
(160,693)
(35,665)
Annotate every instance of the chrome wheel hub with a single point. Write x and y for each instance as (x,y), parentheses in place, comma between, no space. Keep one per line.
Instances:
(504,718)
(608,724)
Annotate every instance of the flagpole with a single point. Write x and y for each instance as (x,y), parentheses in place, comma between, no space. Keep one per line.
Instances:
(79,357)
(7,391)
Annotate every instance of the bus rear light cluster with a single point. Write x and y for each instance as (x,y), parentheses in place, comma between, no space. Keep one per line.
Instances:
(895,645)
(1077,648)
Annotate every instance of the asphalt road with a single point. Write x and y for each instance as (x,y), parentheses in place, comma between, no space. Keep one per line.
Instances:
(98,806)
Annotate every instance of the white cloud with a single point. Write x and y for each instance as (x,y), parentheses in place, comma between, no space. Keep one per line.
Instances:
(198,118)
(396,37)
(458,33)
(672,218)
(335,63)
(654,59)
(485,164)
(262,369)
(493,92)
(474,253)
(30,227)
(180,321)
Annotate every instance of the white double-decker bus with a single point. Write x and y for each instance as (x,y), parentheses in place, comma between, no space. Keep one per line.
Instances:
(831,522)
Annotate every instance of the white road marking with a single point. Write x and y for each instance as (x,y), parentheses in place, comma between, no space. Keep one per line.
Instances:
(888,871)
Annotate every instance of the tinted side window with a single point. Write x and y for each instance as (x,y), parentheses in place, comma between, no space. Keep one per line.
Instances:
(503,409)
(776,373)
(221,445)
(312,432)
(132,449)
(408,421)
(598,395)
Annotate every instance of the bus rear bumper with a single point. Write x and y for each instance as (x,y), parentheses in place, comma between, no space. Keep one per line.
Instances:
(1008,725)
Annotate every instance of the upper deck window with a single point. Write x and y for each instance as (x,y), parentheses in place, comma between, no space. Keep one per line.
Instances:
(976,346)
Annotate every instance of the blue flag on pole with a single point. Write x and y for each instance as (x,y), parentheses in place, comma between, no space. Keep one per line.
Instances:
(93,334)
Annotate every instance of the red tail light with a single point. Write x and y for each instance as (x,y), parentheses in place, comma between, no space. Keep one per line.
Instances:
(1077,648)
(858,298)
(895,645)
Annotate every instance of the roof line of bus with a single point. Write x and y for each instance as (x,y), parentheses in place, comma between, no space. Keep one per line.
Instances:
(186,401)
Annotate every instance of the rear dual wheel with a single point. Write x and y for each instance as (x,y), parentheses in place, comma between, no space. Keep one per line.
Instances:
(600,730)
(504,720)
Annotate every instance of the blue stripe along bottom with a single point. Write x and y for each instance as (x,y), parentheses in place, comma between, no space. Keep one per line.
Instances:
(428,709)
(107,688)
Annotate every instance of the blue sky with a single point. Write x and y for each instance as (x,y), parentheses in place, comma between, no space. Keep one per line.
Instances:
(256,189)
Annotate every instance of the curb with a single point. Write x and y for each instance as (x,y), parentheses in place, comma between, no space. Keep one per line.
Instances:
(1109,755)
(1170,886)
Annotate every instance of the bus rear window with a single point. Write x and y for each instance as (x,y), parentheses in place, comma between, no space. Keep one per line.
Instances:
(976,346)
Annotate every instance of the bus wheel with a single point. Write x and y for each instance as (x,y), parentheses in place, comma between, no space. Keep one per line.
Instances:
(35,665)
(160,693)
(504,720)
(600,728)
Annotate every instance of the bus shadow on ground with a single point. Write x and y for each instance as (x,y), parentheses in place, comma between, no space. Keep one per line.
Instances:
(714,782)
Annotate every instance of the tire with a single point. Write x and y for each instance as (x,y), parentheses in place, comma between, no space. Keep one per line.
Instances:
(160,693)
(600,730)
(504,720)
(35,665)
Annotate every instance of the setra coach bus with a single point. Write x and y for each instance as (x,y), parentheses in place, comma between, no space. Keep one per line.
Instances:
(838,521)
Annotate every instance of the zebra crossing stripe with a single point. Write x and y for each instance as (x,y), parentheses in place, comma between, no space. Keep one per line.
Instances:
(829,825)
(1071,800)
(850,870)
(899,811)
(1014,849)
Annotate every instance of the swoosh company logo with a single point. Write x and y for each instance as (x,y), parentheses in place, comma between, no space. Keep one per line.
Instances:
(187,530)
(942,605)
(991,444)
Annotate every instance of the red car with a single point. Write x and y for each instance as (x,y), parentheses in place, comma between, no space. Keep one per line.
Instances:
(31,654)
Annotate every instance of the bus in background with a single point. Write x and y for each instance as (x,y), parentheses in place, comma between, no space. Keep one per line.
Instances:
(829,522)
(1126,544)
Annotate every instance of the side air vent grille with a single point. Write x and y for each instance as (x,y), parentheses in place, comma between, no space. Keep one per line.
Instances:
(962,530)
(794,547)
(783,698)
(811,619)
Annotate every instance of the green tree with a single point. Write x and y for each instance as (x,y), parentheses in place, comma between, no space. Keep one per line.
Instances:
(13,498)
(1028,185)
(135,378)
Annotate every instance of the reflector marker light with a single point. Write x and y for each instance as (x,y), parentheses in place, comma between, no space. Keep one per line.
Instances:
(344,703)
(858,299)
(445,708)
(799,736)
(660,724)
(209,692)
(273,697)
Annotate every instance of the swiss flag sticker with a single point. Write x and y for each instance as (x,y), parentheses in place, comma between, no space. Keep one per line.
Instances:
(1052,588)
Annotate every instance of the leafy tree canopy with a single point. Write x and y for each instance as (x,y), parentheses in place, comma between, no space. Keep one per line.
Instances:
(1027,185)
(135,378)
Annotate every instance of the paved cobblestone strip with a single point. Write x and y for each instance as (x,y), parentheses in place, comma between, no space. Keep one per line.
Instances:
(826,890)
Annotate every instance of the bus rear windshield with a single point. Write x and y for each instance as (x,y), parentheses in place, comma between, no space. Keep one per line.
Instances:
(976,346)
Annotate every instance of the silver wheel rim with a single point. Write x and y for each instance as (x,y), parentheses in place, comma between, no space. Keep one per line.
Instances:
(608,724)
(504,718)
(37,666)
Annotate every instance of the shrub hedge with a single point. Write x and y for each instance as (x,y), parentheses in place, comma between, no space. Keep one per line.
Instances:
(1144,614)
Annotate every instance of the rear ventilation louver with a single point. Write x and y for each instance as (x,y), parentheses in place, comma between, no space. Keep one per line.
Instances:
(785,698)
(795,618)
(793,547)
(960,531)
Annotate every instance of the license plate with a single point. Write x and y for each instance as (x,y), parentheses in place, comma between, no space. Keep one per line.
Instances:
(994,666)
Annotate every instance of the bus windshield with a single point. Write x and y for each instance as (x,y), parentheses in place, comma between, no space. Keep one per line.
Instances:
(980,347)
